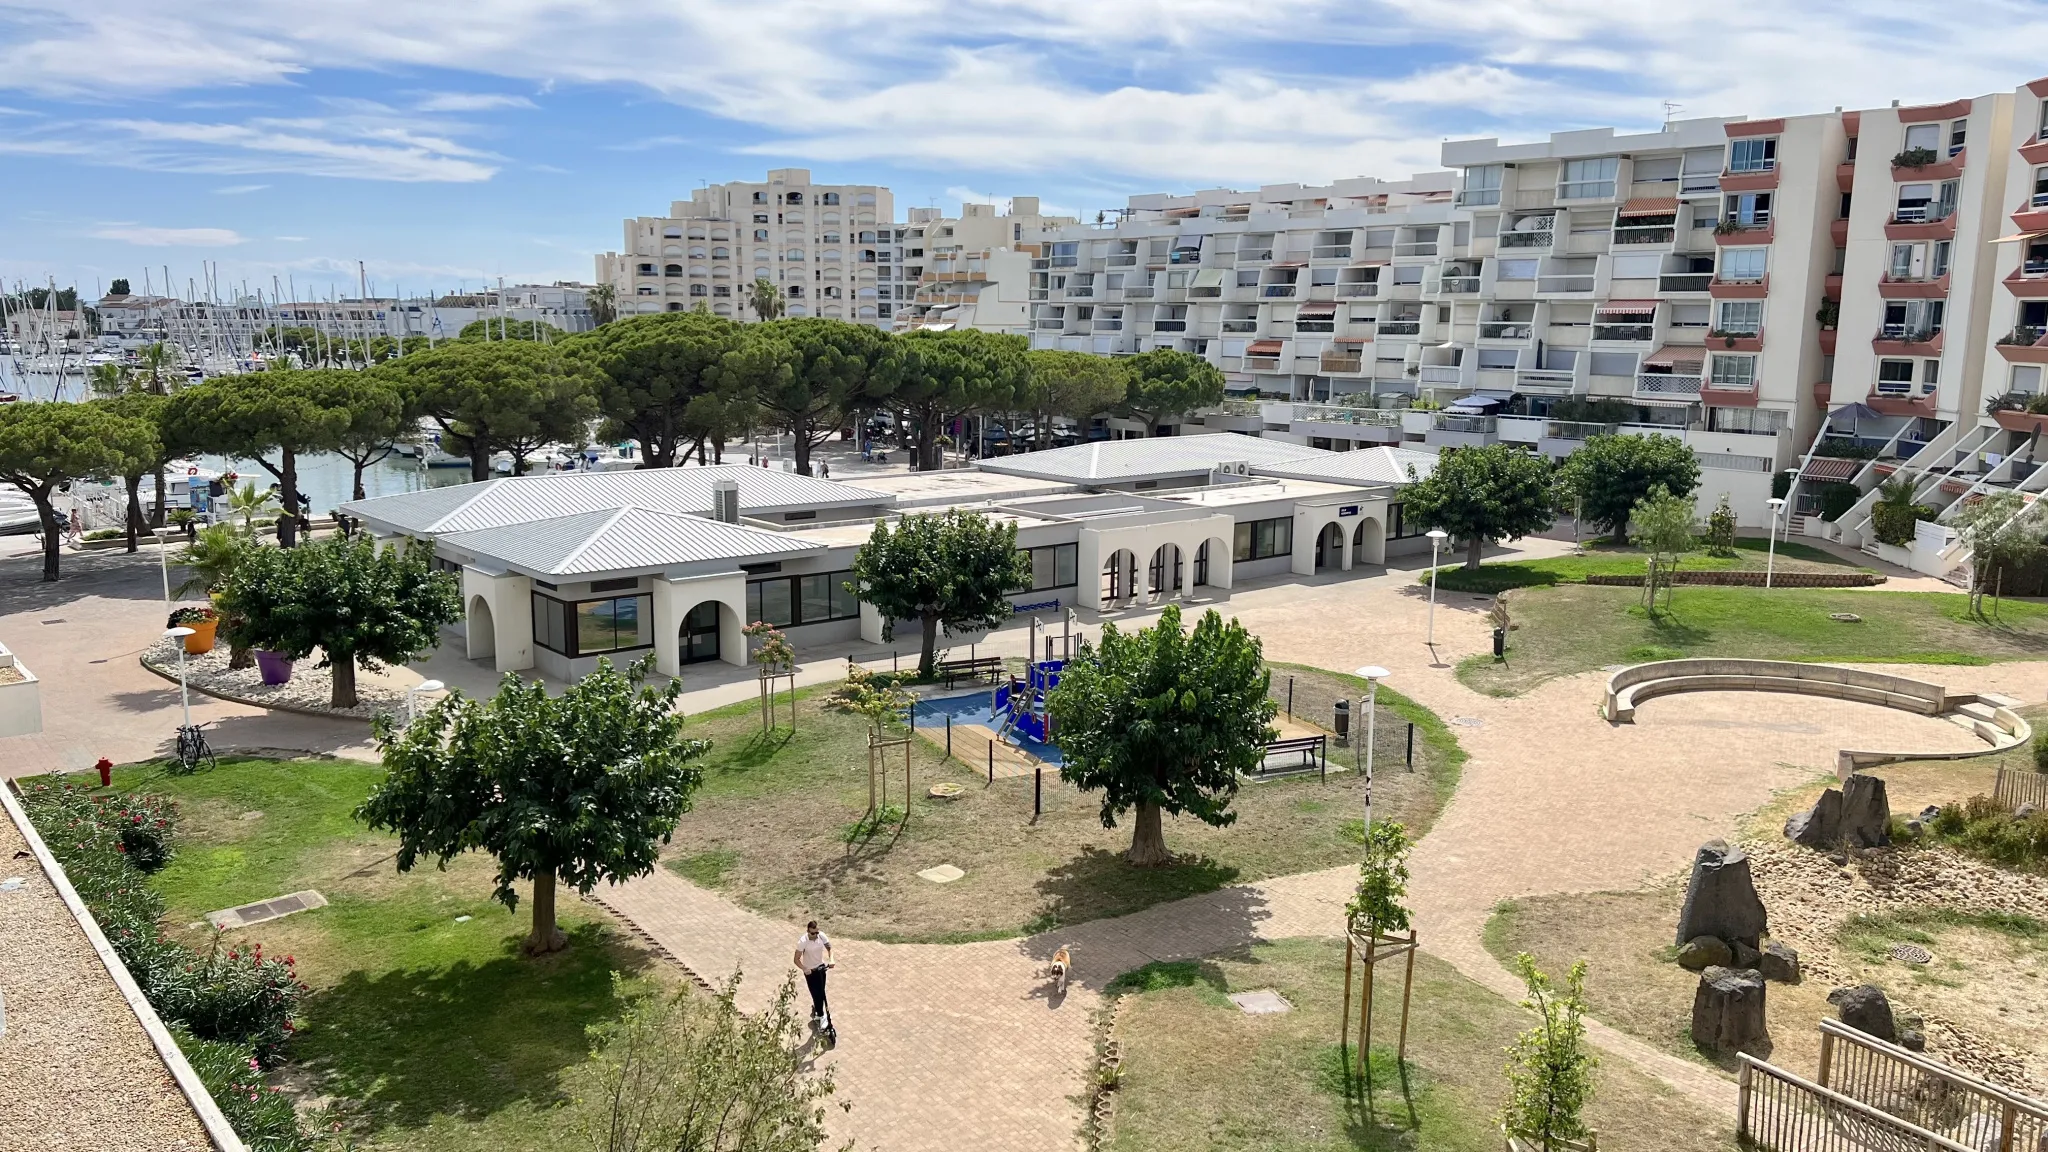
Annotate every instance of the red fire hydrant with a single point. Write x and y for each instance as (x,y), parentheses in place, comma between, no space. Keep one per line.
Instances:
(106,768)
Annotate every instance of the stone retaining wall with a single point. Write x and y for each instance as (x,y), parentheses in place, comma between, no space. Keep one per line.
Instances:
(1747,579)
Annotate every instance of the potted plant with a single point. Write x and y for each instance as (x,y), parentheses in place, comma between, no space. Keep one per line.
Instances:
(275,667)
(203,622)
(1914,158)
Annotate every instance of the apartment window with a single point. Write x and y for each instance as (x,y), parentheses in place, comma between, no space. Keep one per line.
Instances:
(1926,136)
(1909,261)
(1612,363)
(1957,132)
(1843,212)
(1895,371)
(1743,264)
(1701,173)
(1689,315)
(698,290)
(1741,317)
(760,197)
(1657,170)
(1941,258)
(1753,154)
(1263,539)
(1930,372)
(1052,566)
(1912,319)
(2041,187)
(1749,209)
(1482,185)
(2026,378)
(1517,270)
(1735,372)
(1496,358)
(1066,254)
(1637,267)
(1588,179)
(592,627)
(793,601)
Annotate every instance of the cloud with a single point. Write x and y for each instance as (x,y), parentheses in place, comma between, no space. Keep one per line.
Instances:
(239,189)
(171,237)
(292,239)
(471,102)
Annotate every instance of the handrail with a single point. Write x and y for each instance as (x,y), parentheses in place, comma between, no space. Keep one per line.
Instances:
(1836,1113)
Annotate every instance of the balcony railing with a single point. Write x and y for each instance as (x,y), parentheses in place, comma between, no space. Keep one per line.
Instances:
(1332,363)
(1138,292)
(1624,331)
(1895,387)
(1123,260)
(1315,326)
(1571,283)
(1576,430)
(2040,200)
(1240,326)
(1254,255)
(1169,325)
(1083,292)
(2023,335)
(1933,213)
(1276,290)
(2034,267)
(1666,384)
(1345,414)
(1109,325)
(1684,281)
(1331,252)
(1416,248)
(1205,291)
(1908,333)
(1459,284)
(1444,422)
(1526,239)
(1661,234)
(1545,379)
(1441,374)
(1263,362)
(1504,330)
(1478,197)
(1356,289)
(1401,328)
(1732,384)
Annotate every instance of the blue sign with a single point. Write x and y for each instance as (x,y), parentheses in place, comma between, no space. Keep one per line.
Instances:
(1041,606)
(1348,510)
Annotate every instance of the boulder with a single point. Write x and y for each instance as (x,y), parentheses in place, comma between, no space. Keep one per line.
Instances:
(1720,898)
(1703,952)
(1819,826)
(1745,956)
(2024,811)
(1866,1009)
(1780,962)
(1928,813)
(1866,816)
(1912,1040)
(1728,1010)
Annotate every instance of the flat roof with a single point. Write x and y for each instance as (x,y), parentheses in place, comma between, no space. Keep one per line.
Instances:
(524,499)
(959,485)
(1151,458)
(1259,490)
(1381,464)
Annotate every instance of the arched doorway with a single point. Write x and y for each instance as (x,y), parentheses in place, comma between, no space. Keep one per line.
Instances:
(481,632)
(1369,543)
(1329,546)
(699,640)
(1119,576)
(1162,575)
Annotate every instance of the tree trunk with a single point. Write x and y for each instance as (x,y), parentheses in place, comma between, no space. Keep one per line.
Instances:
(156,515)
(800,433)
(545,937)
(927,658)
(357,487)
(53,536)
(1474,548)
(288,499)
(344,669)
(1148,838)
(134,511)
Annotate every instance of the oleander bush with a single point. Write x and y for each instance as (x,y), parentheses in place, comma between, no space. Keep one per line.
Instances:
(262,1116)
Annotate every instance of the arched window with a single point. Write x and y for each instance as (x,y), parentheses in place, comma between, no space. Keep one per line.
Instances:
(672,270)
(719,234)
(672,250)
(829,198)
(762,254)
(830,254)
(796,291)
(697,290)
(867,312)
(672,232)
(831,292)
(720,253)
(831,238)
(760,233)
(675,305)
(865,198)
(699,270)
(645,290)
(696,251)
(799,310)
(794,254)
(721,309)
(828,218)
(760,197)
(867,237)
(761,273)
(793,198)
(647,269)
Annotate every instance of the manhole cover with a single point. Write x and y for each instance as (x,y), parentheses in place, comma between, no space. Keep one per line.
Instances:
(1912,954)
(941,874)
(1264,1002)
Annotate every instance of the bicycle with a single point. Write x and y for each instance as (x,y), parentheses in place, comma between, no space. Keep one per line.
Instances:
(193,750)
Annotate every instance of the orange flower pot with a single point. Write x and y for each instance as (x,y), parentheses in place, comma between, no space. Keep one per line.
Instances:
(201,639)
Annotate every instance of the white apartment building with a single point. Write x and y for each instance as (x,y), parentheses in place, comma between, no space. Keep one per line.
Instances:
(563,306)
(973,270)
(820,244)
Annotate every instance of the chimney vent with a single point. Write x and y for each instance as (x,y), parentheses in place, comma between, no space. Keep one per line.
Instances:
(725,501)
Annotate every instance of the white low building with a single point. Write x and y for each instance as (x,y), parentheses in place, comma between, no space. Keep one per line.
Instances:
(558,570)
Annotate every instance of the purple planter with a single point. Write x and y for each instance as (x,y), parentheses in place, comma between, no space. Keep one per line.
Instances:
(276,667)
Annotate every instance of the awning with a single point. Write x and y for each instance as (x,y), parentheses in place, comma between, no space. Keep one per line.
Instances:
(1288,264)
(2019,237)
(1317,310)
(1651,206)
(1263,348)
(1187,243)
(1350,340)
(1477,404)
(1627,308)
(1209,278)
(945,327)
(1830,469)
(1670,357)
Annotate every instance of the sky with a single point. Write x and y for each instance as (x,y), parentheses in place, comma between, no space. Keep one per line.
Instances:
(443,145)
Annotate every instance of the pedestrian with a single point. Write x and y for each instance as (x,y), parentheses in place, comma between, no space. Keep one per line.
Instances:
(813,958)
(824,471)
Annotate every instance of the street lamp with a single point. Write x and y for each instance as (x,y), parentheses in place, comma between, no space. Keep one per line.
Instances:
(423,686)
(1373,674)
(1436,538)
(178,635)
(163,556)
(1771,550)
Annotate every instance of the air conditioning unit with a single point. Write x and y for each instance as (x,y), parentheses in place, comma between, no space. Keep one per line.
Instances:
(725,501)
(1231,469)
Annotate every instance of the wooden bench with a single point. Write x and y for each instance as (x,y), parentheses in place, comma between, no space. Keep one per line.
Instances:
(1313,749)
(987,669)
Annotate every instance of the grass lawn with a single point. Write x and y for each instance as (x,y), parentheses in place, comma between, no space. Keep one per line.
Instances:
(1627,560)
(770,827)
(424,1030)
(1200,1074)
(1580,627)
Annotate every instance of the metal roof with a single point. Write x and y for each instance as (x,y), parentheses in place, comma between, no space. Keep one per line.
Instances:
(524,499)
(1115,460)
(1385,464)
(621,540)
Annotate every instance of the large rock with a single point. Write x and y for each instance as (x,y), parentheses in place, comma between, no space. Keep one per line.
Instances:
(1721,899)
(1819,826)
(1702,952)
(1780,962)
(1728,1010)
(1866,816)
(1866,1009)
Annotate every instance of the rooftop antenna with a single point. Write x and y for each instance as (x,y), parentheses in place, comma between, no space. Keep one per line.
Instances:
(1671,110)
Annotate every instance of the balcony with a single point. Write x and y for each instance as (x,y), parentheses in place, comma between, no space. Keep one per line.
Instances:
(1645,234)
(2024,345)
(1573,283)
(1337,362)
(1123,260)
(1685,281)
(1478,198)
(1546,381)
(1356,290)
(1667,386)
(1575,429)
(1240,326)
(1541,239)
(1416,248)
(1081,292)
(1330,252)
(1458,285)
(1470,425)
(2029,281)
(1401,328)
(1112,325)
(1261,363)
(1254,255)
(1625,332)
(1921,222)
(1923,164)
(1907,340)
(1277,291)
(1440,375)
(1761,181)
(1733,232)
(1911,288)
(1169,325)
(1739,287)
(1505,329)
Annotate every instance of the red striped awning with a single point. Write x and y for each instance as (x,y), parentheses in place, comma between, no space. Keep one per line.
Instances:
(1263,348)
(1830,468)
(1317,309)
(1672,357)
(1627,308)
(1651,206)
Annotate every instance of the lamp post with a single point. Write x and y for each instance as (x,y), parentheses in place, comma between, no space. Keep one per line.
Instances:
(163,556)
(411,711)
(1373,674)
(1771,549)
(184,695)
(1437,536)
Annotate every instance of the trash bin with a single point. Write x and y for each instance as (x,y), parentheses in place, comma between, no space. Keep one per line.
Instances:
(1343,723)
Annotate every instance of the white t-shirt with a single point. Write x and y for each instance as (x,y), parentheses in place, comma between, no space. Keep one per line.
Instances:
(812,951)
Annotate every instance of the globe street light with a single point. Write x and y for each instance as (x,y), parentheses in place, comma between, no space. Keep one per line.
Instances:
(1373,674)
(163,550)
(177,636)
(411,712)
(1771,549)
(1436,538)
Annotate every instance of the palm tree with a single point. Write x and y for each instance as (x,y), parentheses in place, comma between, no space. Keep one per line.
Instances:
(154,362)
(248,502)
(604,304)
(212,558)
(110,379)
(766,299)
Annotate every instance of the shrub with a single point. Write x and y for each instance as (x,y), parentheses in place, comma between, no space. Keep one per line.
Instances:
(1983,826)
(262,1116)
(146,825)
(194,614)
(1837,498)
(2041,752)
(105,534)
(231,994)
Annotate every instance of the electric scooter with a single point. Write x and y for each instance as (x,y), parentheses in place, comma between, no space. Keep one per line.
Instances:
(822,1026)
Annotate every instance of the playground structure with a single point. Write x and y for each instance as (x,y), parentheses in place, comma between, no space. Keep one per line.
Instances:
(1020,706)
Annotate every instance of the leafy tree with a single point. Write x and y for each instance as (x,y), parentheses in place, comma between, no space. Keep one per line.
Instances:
(377,417)
(808,375)
(356,604)
(43,446)
(689,1072)
(649,369)
(1162,720)
(211,558)
(938,377)
(147,409)
(1895,515)
(953,568)
(1999,534)
(1721,529)
(506,328)
(717,417)
(1166,381)
(254,415)
(118,288)
(766,299)
(581,787)
(1610,474)
(1077,385)
(1482,496)
(249,502)
(504,395)
(1550,1067)
(1376,907)
(1663,524)
(604,304)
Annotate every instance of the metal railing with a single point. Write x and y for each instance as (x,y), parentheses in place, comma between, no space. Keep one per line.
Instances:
(1330,252)
(1445,422)
(1478,197)
(1280,290)
(1545,379)
(1505,330)
(1576,429)
(1240,326)
(1658,234)
(1169,325)
(1441,374)
(1908,333)
(1684,281)
(1345,414)
(1624,331)
(1357,288)
(1401,328)
(1416,248)
(1342,363)
(1123,260)
(1526,239)
(1926,1094)
(1254,255)
(1458,284)
(1577,282)
(1666,384)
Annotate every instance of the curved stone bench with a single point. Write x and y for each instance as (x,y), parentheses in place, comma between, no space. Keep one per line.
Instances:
(1991,717)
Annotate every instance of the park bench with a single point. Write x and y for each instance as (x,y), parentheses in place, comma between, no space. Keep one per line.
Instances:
(987,669)
(1312,749)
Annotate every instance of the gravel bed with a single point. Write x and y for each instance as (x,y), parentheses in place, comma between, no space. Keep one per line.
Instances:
(76,1068)
(308,690)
